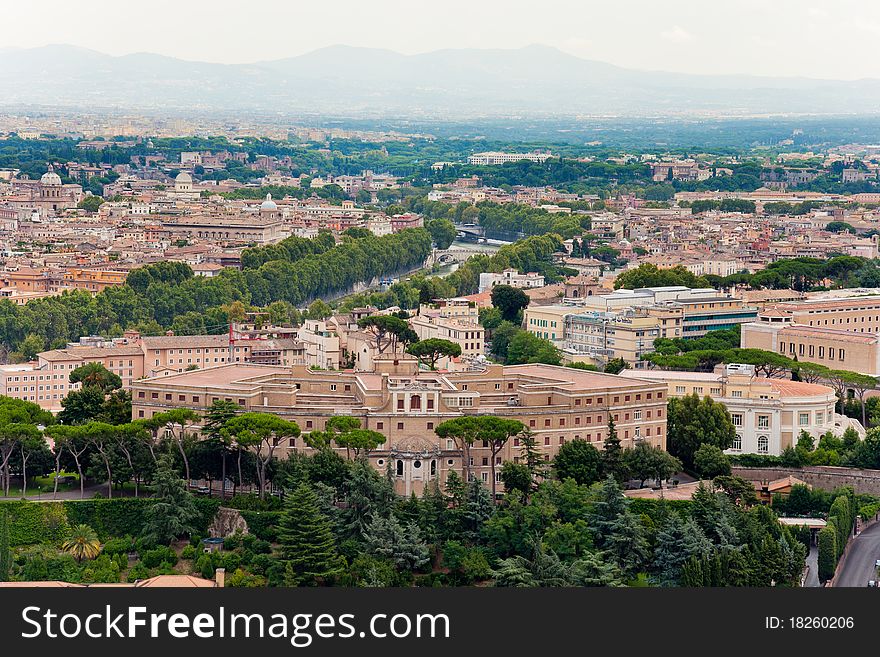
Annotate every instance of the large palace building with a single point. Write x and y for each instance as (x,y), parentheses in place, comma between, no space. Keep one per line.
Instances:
(557,404)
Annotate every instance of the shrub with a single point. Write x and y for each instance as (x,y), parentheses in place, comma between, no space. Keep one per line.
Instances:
(241,579)
(232,542)
(122,546)
(260,564)
(230,561)
(189,552)
(205,565)
(105,569)
(157,556)
(138,571)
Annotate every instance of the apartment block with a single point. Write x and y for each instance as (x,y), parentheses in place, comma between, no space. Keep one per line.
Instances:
(842,333)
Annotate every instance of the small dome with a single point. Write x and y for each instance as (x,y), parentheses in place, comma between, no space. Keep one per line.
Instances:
(183,177)
(268,204)
(50,178)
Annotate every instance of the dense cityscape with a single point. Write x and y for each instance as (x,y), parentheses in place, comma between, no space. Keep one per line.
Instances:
(483,299)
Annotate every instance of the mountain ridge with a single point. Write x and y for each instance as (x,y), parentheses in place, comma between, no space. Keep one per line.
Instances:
(535,79)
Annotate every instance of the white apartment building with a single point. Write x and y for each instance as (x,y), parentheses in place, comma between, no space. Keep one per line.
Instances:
(491,158)
(322,344)
(769,414)
(510,277)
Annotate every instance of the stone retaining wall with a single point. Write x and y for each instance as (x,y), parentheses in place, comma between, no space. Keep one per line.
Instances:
(818,476)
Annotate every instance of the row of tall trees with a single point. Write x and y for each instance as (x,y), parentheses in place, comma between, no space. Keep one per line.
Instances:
(167,295)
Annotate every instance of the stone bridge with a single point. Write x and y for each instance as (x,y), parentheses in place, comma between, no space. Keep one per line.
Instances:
(448,256)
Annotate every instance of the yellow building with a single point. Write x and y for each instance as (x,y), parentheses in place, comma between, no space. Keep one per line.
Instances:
(548,322)
(842,334)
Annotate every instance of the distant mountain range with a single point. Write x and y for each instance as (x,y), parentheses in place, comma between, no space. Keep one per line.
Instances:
(342,80)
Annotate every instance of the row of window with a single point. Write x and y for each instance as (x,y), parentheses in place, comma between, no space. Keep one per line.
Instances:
(811,350)
(761,421)
(762,448)
(681,390)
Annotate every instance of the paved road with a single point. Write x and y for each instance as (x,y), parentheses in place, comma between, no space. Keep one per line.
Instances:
(813,565)
(859,566)
(71,494)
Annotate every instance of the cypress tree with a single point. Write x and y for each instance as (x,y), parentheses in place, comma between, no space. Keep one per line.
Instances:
(693,573)
(306,538)
(827,551)
(612,456)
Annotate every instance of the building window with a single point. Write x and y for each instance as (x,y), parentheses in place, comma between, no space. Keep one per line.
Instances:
(763,421)
(737,443)
(736,419)
(380,425)
(841,354)
(637,414)
(736,393)
(763,444)
(400,426)
(399,468)
(679,390)
(803,419)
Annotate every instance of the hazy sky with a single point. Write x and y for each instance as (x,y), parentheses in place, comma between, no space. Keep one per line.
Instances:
(811,38)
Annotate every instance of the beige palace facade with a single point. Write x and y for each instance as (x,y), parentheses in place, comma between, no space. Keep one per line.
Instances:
(557,404)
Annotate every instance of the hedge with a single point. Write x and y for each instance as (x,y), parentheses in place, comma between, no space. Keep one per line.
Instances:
(827,551)
(868,511)
(36,522)
(844,520)
(756,460)
(49,522)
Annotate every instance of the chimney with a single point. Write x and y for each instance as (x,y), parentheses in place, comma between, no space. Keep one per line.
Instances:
(220,577)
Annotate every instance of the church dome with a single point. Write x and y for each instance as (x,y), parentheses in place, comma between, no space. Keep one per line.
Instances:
(268,204)
(50,178)
(183,177)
